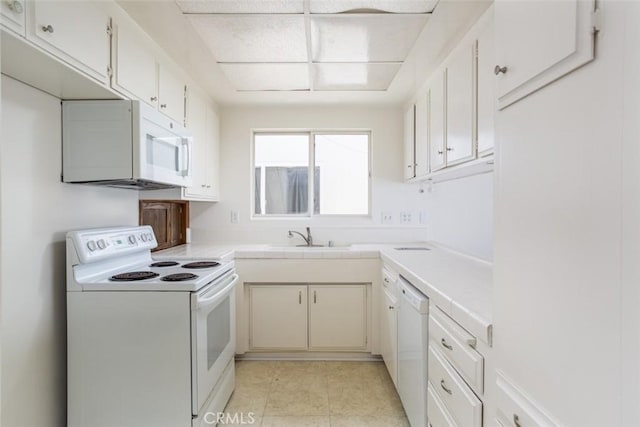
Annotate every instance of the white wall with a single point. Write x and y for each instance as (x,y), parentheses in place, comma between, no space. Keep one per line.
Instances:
(211,222)
(559,236)
(460,214)
(36,210)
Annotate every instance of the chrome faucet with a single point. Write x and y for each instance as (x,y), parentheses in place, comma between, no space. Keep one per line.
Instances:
(308,239)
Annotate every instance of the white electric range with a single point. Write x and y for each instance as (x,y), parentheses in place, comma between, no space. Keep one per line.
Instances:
(149,343)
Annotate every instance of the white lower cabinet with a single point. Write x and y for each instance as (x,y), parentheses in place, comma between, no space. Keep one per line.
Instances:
(437,412)
(516,409)
(337,317)
(389,334)
(331,317)
(278,317)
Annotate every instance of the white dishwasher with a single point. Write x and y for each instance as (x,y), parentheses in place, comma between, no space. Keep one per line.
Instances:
(413,321)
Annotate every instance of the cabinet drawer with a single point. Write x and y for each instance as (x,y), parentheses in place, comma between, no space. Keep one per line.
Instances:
(458,398)
(436,411)
(454,341)
(515,409)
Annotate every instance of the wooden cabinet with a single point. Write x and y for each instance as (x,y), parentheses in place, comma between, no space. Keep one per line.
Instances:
(278,317)
(134,65)
(486,91)
(13,15)
(171,93)
(460,83)
(337,317)
(422,135)
(437,130)
(169,220)
(539,42)
(74,31)
(409,143)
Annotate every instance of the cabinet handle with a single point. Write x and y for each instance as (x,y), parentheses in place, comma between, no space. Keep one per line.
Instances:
(314,297)
(47,29)
(409,166)
(440,152)
(202,185)
(516,420)
(386,280)
(15,6)
(449,148)
(163,105)
(153,98)
(208,186)
(299,297)
(445,345)
(498,69)
(444,387)
(391,307)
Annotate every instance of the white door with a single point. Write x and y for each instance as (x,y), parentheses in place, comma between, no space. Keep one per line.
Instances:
(437,132)
(134,66)
(538,42)
(422,135)
(337,317)
(409,143)
(75,31)
(14,15)
(171,94)
(389,334)
(460,107)
(486,91)
(278,317)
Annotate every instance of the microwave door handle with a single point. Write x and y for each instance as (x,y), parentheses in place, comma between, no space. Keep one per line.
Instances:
(187,152)
(213,299)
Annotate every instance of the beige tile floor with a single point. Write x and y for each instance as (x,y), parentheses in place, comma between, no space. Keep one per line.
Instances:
(316,394)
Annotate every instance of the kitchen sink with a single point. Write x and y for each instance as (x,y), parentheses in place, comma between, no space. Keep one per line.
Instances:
(413,248)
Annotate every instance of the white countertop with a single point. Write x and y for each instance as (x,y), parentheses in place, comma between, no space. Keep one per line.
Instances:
(459,284)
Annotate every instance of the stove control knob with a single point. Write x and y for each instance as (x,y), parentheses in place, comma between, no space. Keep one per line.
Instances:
(143,237)
(132,239)
(102,244)
(91,245)
(150,236)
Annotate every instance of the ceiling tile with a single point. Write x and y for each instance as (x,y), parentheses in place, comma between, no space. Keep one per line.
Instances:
(253,38)
(393,6)
(330,77)
(263,77)
(364,38)
(241,6)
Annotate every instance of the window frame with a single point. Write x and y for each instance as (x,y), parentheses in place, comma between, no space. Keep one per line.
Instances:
(311,133)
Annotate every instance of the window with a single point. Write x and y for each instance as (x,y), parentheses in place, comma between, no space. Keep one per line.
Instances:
(311,173)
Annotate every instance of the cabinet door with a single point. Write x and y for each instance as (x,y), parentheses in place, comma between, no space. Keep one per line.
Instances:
(422,135)
(278,317)
(437,122)
(197,124)
(409,143)
(460,103)
(337,317)
(134,65)
(486,91)
(389,335)
(13,15)
(539,42)
(169,221)
(75,31)
(213,162)
(171,91)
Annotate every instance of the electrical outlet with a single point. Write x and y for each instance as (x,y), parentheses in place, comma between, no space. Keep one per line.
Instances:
(386,217)
(405,217)
(234,217)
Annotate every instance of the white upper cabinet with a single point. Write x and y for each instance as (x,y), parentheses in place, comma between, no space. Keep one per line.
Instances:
(409,143)
(538,42)
(13,15)
(422,135)
(75,31)
(486,91)
(460,107)
(171,91)
(437,133)
(134,65)
(212,192)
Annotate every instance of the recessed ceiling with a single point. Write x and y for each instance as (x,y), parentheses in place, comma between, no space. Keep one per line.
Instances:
(314,45)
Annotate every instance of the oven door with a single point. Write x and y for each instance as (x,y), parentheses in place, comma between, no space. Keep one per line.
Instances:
(165,154)
(212,336)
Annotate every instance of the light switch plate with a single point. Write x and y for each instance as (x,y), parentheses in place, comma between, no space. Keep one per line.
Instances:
(386,218)
(234,217)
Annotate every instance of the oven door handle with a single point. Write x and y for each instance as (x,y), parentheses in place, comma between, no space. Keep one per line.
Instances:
(213,299)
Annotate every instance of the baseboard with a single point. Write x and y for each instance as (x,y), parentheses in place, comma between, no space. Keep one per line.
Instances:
(337,356)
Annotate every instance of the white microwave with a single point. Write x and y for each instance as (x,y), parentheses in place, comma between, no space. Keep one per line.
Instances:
(125,144)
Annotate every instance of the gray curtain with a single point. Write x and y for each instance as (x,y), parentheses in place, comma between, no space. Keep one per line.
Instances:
(286,190)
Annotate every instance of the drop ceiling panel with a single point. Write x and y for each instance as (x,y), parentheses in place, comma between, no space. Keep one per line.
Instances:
(393,6)
(333,77)
(364,38)
(253,38)
(267,77)
(241,6)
